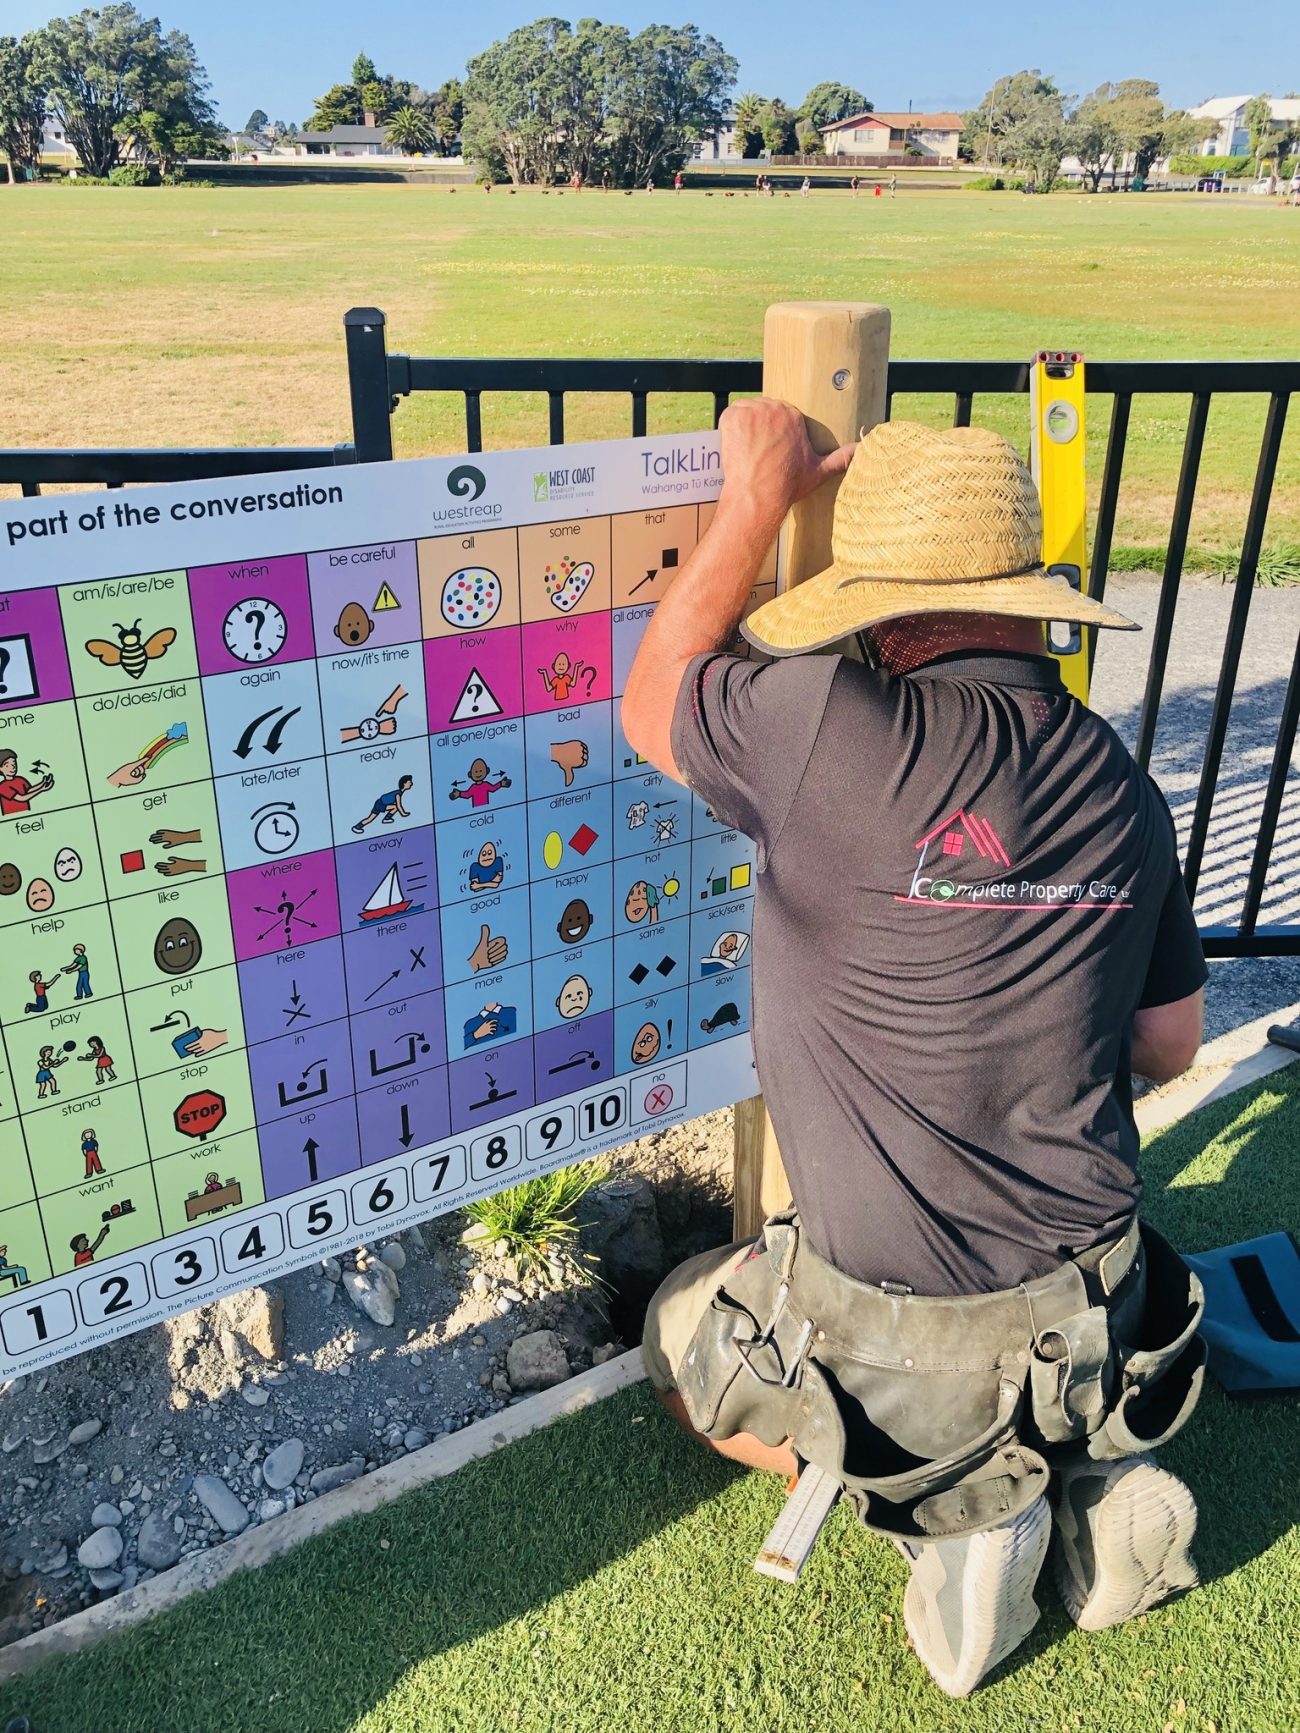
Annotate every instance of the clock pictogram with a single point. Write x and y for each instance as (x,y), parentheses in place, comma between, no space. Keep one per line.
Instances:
(254,630)
(275,827)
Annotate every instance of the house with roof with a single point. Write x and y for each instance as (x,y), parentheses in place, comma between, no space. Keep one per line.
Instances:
(881,133)
(1223,118)
(366,140)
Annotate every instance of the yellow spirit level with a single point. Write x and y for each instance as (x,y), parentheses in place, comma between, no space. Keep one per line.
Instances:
(1058,429)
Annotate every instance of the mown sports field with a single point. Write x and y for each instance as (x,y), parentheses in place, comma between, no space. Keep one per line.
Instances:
(174,317)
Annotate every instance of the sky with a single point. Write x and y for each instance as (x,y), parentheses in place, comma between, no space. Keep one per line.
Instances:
(944,55)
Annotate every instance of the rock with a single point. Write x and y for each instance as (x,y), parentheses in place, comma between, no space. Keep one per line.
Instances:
(284,1464)
(327,1479)
(416,1438)
(480,1283)
(100,1550)
(220,1503)
(50,1451)
(257,1317)
(255,1396)
(106,1516)
(501,1384)
(475,1234)
(536,1361)
(485,1378)
(54,1563)
(107,1581)
(269,1508)
(15,1436)
(85,1432)
(394,1256)
(606,1352)
(116,1476)
(374,1292)
(512,1294)
(625,1235)
(501,1248)
(332,1269)
(503,1306)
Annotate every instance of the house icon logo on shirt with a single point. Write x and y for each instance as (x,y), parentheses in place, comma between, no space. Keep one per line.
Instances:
(961,839)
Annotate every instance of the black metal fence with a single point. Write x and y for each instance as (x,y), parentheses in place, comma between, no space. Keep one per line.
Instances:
(378,381)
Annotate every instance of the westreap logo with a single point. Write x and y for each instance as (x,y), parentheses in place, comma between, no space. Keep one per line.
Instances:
(465,479)
(962,862)
(467,483)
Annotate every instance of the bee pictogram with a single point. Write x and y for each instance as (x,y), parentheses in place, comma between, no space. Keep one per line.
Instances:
(133,651)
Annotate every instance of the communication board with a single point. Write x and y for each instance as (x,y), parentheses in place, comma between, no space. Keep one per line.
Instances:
(331,893)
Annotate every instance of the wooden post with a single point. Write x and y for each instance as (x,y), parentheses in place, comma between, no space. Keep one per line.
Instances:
(830,359)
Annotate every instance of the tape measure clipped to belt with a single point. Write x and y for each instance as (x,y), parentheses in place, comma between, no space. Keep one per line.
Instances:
(1056,398)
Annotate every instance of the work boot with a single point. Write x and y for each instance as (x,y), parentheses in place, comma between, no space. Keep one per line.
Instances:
(1125,1532)
(971,1600)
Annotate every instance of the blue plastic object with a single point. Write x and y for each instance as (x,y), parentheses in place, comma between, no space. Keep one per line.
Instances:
(1252,1313)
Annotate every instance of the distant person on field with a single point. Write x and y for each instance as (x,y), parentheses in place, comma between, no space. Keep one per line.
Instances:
(854,184)
(805,188)
(960,1319)
(893,186)
(604,181)
(677,181)
(878,190)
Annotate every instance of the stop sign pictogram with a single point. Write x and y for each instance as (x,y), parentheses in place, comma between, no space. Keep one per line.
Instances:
(200,1114)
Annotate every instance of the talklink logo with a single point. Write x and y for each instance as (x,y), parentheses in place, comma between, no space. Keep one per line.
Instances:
(467,483)
(680,469)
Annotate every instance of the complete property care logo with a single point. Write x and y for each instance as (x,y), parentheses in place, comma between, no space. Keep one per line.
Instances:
(469,484)
(961,862)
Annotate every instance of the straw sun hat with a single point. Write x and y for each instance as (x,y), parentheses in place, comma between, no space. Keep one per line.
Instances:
(926,522)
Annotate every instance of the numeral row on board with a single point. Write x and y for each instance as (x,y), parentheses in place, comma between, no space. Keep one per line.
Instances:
(256,1240)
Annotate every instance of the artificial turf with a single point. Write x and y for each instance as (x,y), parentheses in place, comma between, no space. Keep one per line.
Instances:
(595,1578)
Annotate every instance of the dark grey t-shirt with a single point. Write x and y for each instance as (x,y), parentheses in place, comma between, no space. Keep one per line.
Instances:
(967,887)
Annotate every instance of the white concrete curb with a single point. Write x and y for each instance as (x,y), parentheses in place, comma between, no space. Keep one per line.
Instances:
(257,1546)
(1236,1059)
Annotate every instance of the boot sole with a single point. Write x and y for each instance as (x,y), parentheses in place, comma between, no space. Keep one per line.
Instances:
(1141,1544)
(998,1609)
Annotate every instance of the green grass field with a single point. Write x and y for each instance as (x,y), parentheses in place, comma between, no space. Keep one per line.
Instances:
(595,1577)
(158,317)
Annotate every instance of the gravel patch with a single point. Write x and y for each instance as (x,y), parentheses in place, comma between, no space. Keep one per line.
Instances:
(1239,990)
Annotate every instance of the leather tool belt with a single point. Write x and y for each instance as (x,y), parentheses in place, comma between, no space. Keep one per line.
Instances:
(938,1416)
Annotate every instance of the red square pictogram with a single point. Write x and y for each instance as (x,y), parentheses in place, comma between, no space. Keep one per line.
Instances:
(133,861)
(583,838)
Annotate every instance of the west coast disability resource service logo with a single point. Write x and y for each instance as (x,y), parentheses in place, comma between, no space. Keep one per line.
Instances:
(962,862)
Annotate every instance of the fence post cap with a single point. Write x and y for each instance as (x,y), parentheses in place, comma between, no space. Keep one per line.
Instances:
(364,316)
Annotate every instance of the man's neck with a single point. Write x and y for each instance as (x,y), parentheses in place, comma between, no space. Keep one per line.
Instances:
(901,645)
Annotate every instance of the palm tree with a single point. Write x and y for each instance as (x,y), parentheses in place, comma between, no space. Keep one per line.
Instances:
(410,131)
(749,130)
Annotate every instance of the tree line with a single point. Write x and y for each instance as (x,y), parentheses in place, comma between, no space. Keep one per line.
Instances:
(549,100)
(116,84)
(1027,123)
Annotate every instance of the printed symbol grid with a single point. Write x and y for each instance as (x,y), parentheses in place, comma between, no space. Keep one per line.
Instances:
(306,861)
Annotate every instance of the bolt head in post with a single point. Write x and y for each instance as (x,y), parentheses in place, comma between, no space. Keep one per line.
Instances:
(840,379)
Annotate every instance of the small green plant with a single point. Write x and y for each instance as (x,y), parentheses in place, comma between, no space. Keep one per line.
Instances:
(1278,566)
(130,174)
(538,1220)
(984,184)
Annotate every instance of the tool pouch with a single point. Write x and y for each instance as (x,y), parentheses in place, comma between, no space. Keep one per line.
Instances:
(1161,1372)
(1070,1374)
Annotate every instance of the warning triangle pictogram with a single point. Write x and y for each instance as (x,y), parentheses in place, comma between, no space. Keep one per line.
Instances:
(385,600)
(476,700)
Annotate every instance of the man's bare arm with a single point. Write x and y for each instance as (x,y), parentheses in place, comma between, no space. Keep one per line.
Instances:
(767,463)
(1166,1037)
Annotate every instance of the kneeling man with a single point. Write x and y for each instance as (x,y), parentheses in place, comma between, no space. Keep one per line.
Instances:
(970,929)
